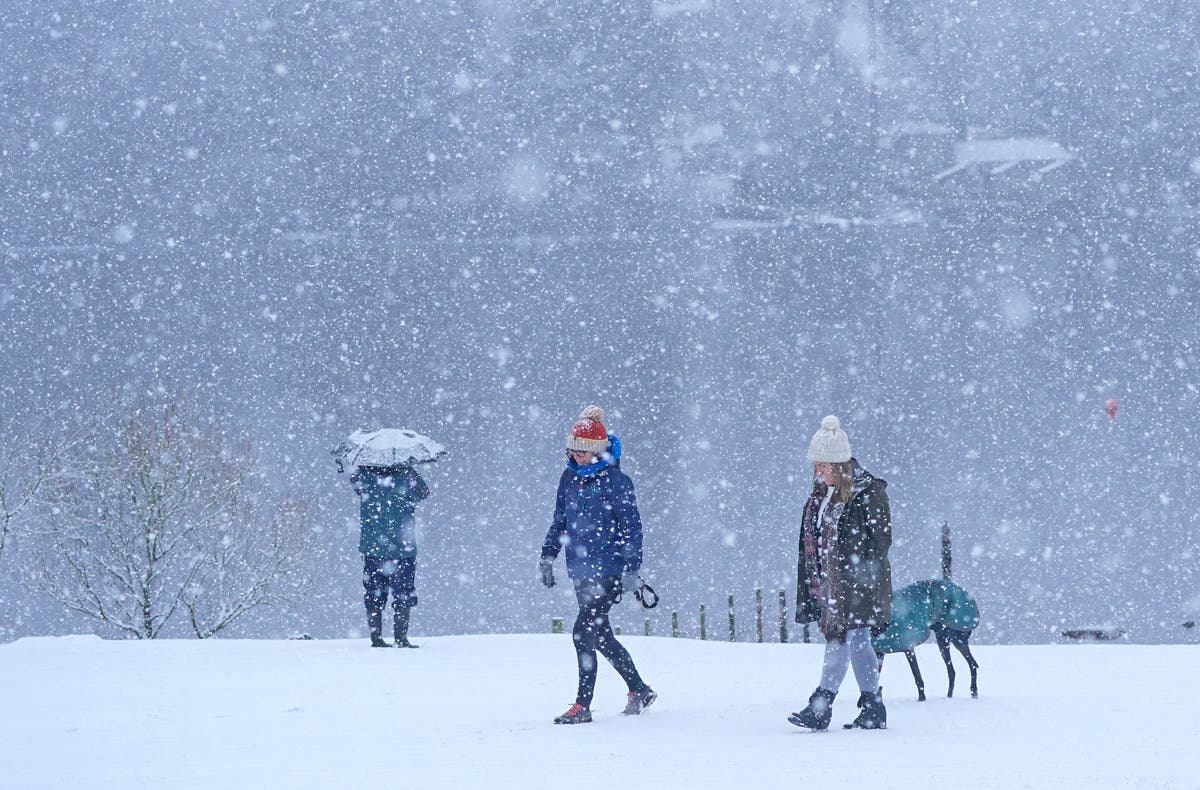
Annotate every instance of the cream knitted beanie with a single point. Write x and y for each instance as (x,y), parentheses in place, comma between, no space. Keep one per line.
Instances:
(829,444)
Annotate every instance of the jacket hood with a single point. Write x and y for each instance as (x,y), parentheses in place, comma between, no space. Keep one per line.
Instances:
(863,478)
(613,459)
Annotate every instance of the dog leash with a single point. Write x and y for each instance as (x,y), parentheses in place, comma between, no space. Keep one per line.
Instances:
(645,595)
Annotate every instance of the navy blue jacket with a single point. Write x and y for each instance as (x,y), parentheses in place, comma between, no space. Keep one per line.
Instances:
(389,497)
(596,520)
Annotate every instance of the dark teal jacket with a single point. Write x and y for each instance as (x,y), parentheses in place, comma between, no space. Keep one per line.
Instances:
(388,498)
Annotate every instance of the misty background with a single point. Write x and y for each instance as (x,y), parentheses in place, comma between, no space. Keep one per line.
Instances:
(961,228)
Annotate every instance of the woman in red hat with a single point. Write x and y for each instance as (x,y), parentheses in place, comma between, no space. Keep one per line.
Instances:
(596,523)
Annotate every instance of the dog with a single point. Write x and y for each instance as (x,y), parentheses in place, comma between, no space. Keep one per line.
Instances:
(937,606)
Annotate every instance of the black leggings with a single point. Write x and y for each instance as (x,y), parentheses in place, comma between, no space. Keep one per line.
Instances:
(593,633)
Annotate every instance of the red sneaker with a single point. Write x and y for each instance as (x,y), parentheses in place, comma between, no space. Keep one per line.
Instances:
(637,701)
(576,714)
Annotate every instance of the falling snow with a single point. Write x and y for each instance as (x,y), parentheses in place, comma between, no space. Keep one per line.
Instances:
(962,228)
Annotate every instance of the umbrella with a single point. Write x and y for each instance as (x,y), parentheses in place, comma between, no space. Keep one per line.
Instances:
(387,447)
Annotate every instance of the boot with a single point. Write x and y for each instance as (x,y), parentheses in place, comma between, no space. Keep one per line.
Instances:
(873,715)
(819,711)
(375,625)
(576,714)
(638,701)
(401,627)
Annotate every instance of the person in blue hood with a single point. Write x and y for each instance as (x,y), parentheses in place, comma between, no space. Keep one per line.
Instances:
(597,525)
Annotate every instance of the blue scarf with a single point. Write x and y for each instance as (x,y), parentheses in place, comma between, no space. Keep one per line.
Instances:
(591,470)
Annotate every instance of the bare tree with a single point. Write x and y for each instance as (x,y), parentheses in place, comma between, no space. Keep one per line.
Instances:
(244,569)
(161,516)
(32,462)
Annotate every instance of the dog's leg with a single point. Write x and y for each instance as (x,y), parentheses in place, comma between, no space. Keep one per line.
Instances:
(916,670)
(944,648)
(959,640)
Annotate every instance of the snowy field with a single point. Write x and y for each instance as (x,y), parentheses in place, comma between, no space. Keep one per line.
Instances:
(475,711)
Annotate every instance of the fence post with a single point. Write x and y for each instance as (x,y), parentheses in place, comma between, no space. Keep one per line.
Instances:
(556,625)
(946,570)
(675,624)
(732,632)
(758,614)
(783,618)
(703,628)
(647,630)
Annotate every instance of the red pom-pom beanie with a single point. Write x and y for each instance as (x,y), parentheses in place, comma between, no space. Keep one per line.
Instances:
(588,432)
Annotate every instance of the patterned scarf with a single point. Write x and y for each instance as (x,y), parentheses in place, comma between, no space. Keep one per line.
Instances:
(824,561)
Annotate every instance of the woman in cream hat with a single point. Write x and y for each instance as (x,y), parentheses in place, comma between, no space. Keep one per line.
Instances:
(844,579)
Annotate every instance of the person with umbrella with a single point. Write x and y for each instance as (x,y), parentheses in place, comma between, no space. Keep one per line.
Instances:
(387,542)
(389,489)
(596,523)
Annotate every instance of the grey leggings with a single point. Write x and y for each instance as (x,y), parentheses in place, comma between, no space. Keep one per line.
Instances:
(855,650)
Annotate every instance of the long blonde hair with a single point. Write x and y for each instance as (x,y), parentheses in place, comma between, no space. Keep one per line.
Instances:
(843,487)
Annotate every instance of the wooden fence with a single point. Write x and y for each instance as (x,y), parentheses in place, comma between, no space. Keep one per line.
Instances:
(761,631)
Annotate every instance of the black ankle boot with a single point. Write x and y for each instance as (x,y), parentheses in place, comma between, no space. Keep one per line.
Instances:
(873,715)
(375,626)
(819,711)
(401,626)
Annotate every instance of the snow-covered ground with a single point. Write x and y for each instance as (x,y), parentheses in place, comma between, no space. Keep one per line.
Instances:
(475,711)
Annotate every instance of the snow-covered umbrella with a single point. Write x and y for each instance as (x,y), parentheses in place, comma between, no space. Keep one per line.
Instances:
(387,447)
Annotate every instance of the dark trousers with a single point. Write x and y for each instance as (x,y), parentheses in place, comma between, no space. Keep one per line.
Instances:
(593,633)
(384,577)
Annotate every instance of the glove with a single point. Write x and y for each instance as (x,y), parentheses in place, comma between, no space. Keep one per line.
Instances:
(630,582)
(546,566)
(808,611)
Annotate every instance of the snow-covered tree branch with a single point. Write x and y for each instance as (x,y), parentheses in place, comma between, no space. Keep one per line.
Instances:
(161,516)
(32,463)
(243,569)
